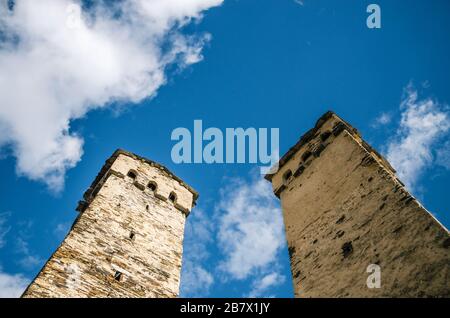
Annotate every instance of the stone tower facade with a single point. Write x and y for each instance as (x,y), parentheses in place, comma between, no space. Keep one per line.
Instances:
(353,230)
(127,240)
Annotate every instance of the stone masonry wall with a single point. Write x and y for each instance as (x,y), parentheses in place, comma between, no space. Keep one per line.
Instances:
(345,209)
(127,242)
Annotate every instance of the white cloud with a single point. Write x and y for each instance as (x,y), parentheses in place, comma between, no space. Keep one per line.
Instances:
(247,227)
(262,286)
(196,280)
(250,228)
(57,64)
(61,230)
(423,123)
(443,155)
(12,286)
(4,229)
(28,259)
(382,119)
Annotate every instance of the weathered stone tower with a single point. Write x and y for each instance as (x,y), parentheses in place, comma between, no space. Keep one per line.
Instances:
(127,239)
(345,210)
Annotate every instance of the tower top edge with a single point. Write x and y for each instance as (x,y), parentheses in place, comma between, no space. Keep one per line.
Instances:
(109,162)
(311,134)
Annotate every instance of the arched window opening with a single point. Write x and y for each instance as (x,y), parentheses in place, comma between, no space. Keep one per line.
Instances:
(306,155)
(152,186)
(324,136)
(287,176)
(173,197)
(118,276)
(132,174)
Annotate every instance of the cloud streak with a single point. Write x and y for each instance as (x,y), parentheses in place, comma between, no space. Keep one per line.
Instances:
(382,119)
(250,228)
(196,279)
(58,62)
(240,241)
(262,286)
(4,228)
(11,285)
(423,124)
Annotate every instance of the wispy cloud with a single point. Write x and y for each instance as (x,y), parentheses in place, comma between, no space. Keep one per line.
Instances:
(443,155)
(196,280)
(383,119)
(58,62)
(11,285)
(28,260)
(261,288)
(250,230)
(61,230)
(423,125)
(240,241)
(4,228)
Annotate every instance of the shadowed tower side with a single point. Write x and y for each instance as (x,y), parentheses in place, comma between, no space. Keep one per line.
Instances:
(346,211)
(127,240)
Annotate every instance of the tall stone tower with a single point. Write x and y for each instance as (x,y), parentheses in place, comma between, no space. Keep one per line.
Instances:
(351,225)
(127,239)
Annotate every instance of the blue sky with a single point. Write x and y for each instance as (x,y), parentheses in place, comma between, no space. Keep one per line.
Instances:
(264,64)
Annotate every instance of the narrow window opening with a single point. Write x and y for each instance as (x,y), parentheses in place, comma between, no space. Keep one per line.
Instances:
(173,197)
(287,176)
(132,235)
(300,170)
(147,207)
(306,155)
(118,276)
(325,135)
(132,174)
(152,186)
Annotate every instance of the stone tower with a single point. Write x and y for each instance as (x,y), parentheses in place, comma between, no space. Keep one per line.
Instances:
(351,224)
(127,239)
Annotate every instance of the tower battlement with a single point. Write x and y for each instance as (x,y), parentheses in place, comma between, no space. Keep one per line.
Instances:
(328,127)
(127,240)
(147,173)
